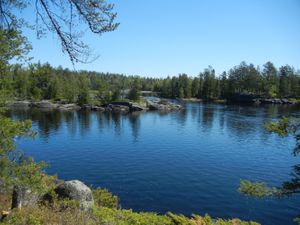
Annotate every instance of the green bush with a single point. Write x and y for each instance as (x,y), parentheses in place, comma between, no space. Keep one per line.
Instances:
(128,217)
(104,198)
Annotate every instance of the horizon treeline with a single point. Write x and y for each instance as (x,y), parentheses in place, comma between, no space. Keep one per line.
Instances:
(42,81)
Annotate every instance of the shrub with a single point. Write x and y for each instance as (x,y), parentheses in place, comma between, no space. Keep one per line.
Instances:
(104,198)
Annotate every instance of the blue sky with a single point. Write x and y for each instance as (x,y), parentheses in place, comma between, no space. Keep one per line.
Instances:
(167,37)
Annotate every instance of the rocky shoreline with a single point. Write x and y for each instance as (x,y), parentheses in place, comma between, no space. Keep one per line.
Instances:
(256,99)
(117,107)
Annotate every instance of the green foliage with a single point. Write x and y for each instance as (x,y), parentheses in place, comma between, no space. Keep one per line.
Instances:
(15,168)
(297,220)
(69,92)
(9,130)
(181,93)
(282,127)
(13,45)
(116,94)
(104,93)
(134,93)
(270,81)
(257,189)
(128,217)
(104,198)
(286,73)
(36,93)
(179,219)
(83,97)
(41,81)
(61,214)
(65,211)
(210,84)
(272,91)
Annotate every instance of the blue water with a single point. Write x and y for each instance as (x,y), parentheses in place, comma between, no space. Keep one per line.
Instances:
(185,162)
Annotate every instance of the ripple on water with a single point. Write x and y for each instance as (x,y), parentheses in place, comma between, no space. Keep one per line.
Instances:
(186,162)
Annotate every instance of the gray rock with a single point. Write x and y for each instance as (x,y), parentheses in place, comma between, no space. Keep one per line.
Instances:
(24,197)
(20,104)
(136,107)
(125,106)
(68,107)
(164,106)
(267,101)
(286,101)
(97,108)
(76,190)
(86,107)
(45,104)
(277,101)
(118,108)
(121,103)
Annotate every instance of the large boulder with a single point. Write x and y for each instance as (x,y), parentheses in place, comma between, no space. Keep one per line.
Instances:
(23,196)
(76,190)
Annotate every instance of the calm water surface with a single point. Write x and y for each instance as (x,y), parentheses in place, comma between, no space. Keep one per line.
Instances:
(185,162)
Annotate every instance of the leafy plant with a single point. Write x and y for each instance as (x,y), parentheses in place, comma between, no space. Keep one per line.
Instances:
(104,198)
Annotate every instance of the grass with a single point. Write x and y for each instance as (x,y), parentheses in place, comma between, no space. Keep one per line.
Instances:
(104,212)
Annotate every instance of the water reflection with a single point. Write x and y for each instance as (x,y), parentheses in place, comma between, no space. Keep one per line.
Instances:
(84,119)
(202,152)
(135,123)
(292,186)
(71,122)
(207,117)
(240,121)
(116,119)
(180,117)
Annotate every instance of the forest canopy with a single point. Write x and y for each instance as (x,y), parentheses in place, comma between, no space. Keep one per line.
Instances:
(42,81)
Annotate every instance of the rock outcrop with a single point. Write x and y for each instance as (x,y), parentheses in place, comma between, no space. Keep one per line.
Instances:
(45,104)
(256,99)
(163,105)
(116,107)
(24,197)
(68,107)
(76,190)
(123,107)
(20,104)
(73,190)
(98,108)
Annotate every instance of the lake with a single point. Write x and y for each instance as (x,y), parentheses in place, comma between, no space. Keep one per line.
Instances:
(185,162)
